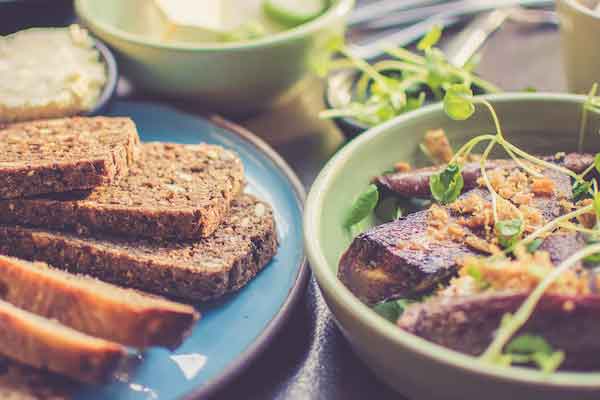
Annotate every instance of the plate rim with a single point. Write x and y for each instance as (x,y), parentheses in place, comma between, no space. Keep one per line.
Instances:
(257,347)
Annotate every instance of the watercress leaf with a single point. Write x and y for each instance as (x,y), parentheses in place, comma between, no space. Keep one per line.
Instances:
(363,206)
(393,309)
(581,190)
(431,38)
(596,204)
(527,348)
(593,259)
(413,103)
(389,310)
(597,162)
(458,102)
(508,231)
(447,185)
(548,363)
(534,245)
(529,344)
(477,275)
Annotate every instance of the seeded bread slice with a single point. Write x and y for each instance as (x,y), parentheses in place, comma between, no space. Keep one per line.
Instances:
(22,382)
(200,270)
(94,307)
(46,344)
(173,191)
(59,155)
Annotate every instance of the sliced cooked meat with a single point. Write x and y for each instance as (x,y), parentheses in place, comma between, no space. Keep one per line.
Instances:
(409,256)
(416,183)
(467,324)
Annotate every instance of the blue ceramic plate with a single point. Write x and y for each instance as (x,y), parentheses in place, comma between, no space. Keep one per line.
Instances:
(234,330)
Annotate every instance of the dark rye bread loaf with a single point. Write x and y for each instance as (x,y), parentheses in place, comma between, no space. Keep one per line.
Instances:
(45,344)
(94,307)
(60,155)
(199,270)
(173,191)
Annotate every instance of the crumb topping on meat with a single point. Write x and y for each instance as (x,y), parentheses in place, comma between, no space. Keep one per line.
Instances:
(523,273)
(437,146)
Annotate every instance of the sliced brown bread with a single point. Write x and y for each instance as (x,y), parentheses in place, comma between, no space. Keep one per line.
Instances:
(199,270)
(59,155)
(94,307)
(46,344)
(173,191)
(22,382)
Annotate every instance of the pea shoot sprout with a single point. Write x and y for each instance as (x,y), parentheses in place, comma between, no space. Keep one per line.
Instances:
(394,86)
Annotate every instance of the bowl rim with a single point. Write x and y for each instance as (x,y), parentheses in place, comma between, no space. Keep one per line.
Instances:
(581,9)
(330,284)
(112,78)
(340,9)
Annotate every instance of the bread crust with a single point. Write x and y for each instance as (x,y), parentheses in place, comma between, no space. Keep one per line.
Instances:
(97,308)
(45,344)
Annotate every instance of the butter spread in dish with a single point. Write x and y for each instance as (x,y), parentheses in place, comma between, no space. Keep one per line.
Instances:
(49,72)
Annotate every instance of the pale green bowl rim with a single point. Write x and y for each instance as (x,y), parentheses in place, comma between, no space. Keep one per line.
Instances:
(335,289)
(340,9)
(581,8)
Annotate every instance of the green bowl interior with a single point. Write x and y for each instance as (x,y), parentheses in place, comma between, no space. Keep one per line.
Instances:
(121,18)
(538,123)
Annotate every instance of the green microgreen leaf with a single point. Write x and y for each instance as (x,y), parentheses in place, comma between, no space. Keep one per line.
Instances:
(530,89)
(508,231)
(527,348)
(447,185)
(393,309)
(596,204)
(581,190)
(458,102)
(431,38)
(534,245)
(363,206)
(597,162)
(477,275)
(593,259)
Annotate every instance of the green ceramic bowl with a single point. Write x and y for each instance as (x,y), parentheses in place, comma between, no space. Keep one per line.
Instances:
(540,123)
(233,78)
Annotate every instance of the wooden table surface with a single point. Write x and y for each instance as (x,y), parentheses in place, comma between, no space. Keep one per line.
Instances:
(310,359)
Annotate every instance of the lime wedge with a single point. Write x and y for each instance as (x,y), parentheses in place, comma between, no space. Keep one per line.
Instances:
(294,12)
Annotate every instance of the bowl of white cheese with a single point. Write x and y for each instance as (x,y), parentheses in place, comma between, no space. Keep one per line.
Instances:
(231,56)
(54,72)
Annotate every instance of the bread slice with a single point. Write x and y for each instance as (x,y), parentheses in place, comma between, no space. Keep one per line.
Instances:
(59,155)
(46,344)
(22,382)
(200,270)
(173,191)
(94,307)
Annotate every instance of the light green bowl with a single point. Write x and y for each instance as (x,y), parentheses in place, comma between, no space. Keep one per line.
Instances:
(233,78)
(540,123)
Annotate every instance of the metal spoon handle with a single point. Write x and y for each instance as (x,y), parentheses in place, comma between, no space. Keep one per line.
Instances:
(469,41)
(451,9)
(376,48)
(382,8)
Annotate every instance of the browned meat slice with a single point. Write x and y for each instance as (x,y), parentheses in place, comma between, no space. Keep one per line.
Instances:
(410,255)
(467,324)
(416,183)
